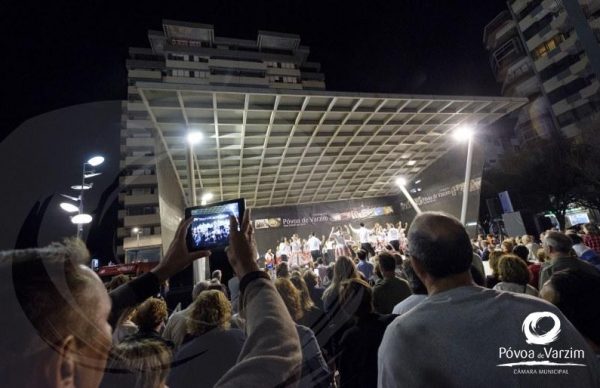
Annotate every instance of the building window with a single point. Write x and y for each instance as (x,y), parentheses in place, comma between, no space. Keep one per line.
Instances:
(543,49)
(143,255)
(530,7)
(538,26)
(571,88)
(578,114)
(560,66)
(180,73)
(141,210)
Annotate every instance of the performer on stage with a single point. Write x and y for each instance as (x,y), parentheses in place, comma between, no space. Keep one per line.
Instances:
(296,250)
(329,252)
(305,252)
(270,262)
(363,238)
(378,238)
(340,243)
(393,236)
(285,250)
(402,235)
(269,259)
(314,245)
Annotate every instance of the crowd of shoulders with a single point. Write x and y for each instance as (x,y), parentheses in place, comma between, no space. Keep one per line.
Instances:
(374,320)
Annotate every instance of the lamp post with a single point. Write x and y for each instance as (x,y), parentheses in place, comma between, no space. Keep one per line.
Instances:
(137,232)
(193,138)
(206,197)
(461,134)
(401,183)
(81,218)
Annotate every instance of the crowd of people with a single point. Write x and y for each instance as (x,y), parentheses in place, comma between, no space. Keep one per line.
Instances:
(409,311)
(343,240)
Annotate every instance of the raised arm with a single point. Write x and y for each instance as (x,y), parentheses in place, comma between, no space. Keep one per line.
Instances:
(175,260)
(271,355)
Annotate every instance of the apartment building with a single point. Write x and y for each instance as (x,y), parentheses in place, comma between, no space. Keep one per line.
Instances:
(548,51)
(186,53)
(514,69)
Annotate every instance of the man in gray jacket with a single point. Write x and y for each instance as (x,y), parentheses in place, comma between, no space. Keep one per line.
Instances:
(558,249)
(463,335)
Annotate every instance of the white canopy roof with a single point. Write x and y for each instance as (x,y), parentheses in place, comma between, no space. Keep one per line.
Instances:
(280,147)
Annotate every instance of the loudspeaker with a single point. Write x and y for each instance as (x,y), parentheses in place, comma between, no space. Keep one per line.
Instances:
(530,223)
(543,223)
(513,224)
(494,207)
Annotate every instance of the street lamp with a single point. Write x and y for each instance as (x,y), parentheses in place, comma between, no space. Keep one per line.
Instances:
(401,183)
(96,161)
(465,133)
(206,197)
(137,231)
(81,218)
(193,138)
(69,207)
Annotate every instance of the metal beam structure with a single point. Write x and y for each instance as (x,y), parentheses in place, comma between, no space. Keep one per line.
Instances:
(276,147)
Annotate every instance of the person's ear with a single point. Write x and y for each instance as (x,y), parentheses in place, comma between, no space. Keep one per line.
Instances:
(419,271)
(65,363)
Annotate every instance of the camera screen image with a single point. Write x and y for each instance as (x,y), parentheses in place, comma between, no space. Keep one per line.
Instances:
(210,226)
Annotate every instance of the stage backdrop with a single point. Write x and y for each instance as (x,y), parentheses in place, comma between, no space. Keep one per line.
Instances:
(274,223)
(439,188)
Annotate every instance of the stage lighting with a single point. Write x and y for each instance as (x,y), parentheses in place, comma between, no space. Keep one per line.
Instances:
(194,137)
(400,181)
(463,133)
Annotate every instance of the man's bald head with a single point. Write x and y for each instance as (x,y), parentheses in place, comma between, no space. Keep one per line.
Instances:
(440,244)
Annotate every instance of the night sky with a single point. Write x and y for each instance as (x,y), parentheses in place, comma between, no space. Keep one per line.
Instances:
(63,53)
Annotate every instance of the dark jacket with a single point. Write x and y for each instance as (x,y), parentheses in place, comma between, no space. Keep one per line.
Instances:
(357,360)
(204,359)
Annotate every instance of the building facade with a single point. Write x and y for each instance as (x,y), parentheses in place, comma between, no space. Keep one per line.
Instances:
(548,51)
(190,54)
(514,69)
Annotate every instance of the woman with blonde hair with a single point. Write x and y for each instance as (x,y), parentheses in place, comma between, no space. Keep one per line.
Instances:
(138,364)
(315,372)
(150,317)
(212,348)
(343,269)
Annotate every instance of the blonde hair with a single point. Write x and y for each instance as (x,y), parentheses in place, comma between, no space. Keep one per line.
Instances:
(541,255)
(305,300)
(150,314)
(139,364)
(210,310)
(290,296)
(343,269)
